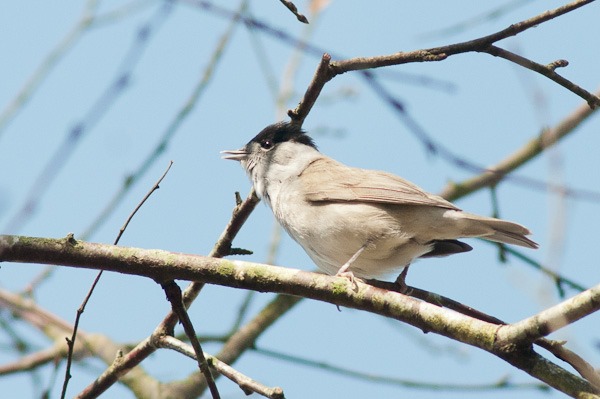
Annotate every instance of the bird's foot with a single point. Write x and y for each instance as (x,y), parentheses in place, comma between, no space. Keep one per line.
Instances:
(401,281)
(344,272)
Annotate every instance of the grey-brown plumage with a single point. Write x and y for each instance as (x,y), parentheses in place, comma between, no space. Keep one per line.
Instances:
(365,222)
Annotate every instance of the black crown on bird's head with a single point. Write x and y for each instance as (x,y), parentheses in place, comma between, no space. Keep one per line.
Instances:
(281,132)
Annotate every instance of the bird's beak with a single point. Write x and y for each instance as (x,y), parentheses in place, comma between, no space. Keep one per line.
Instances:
(236,155)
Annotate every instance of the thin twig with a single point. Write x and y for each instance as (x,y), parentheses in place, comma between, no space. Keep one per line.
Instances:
(584,369)
(137,208)
(88,345)
(71,341)
(435,299)
(547,71)
(146,347)
(322,75)
(246,384)
(482,44)
(173,293)
(501,384)
(442,52)
(292,7)
(547,138)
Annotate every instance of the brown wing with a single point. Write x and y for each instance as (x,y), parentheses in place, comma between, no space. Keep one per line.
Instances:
(362,185)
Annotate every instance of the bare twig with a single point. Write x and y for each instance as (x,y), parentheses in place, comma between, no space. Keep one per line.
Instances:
(442,52)
(146,347)
(547,71)
(585,369)
(81,309)
(137,208)
(482,44)
(547,138)
(436,299)
(501,384)
(292,7)
(415,56)
(322,76)
(173,293)
(240,214)
(247,384)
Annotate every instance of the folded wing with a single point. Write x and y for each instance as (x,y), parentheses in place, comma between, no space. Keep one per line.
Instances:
(364,186)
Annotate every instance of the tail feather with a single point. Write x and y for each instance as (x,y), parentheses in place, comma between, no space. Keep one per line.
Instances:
(507,237)
(503,231)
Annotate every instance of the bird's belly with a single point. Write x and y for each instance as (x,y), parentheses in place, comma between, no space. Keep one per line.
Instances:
(380,257)
(331,233)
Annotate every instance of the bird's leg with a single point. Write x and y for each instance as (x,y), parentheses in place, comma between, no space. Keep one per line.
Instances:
(343,271)
(401,280)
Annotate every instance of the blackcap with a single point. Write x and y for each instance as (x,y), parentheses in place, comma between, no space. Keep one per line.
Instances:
(357,222)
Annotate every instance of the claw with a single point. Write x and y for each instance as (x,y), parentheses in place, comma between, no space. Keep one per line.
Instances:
(348,275)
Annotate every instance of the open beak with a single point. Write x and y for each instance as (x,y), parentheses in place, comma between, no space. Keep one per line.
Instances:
(236,155)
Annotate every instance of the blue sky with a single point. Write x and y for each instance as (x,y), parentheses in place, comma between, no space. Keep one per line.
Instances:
(479,107)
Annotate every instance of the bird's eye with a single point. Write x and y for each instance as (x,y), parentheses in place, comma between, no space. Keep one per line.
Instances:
(266,144)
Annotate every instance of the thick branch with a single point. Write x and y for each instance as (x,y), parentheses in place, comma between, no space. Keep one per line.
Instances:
(162,265)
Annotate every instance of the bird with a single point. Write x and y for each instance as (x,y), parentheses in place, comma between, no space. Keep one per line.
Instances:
(356,222)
